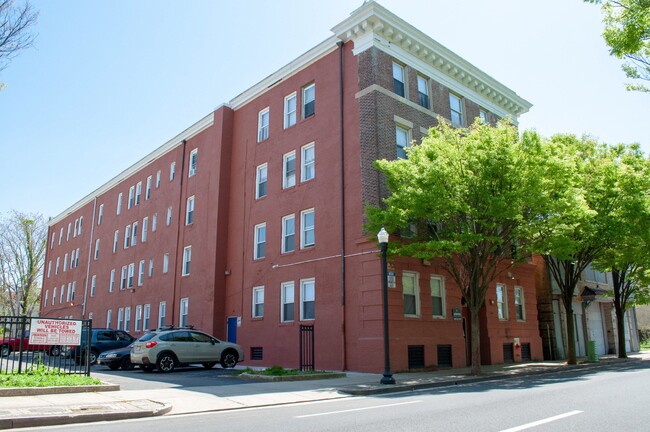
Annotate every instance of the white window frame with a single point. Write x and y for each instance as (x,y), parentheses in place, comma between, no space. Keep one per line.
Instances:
(150,267)
(194,154)
(162,313)
(184,312)
(49,268)
(165,268)
(158,175)
(172,171)
(305,229)
(123,278)
(100,216)
(116,240)
(134,234)
(54,296)
(187,260)
(65,263)
(305,297)
(129,203)
(127,236)
(307,166)
(111,284)
(290,115)
(261,178)
(288,179)
(287,288)
(459,121)
(60,236)
(93,285)
(482,114)
(502,302)
(520,303)
(258,242)
(81,222)
(56,270)
(169,216)
(258,302)
(288,221)
(119,204)
(138,318)
(109,316)
(138,193)
(189,211)
(141,273)
(154,222)
(145,228)
(263,124)
(402,133)
(308,96)
(147,191)
(96,254)
(416,292)
(398,70)
(146,317)
(127,318)
(423,90)
(120,318)
(76,227)
(131,275)
(441,281)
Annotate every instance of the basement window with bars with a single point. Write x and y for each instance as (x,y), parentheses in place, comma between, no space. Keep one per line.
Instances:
(257,353)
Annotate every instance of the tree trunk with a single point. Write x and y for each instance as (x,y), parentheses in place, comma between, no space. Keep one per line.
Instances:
(476,341)
(620,324)
(570,333)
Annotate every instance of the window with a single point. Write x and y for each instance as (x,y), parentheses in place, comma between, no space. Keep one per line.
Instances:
(593,275)
(260,241)
(402,141)
(123,278)
(502,304)
(154,222)
(138,317)
(308,157)
(307,237)
(93,284)
(456,114)
(185,304)
(147,315)
(172,171)
(290,110)
(145,228)
(119,203)
(60,236)
(147,191)
(52,241)
(56,270)
(162,309)
(151,267)
(131,197)
(62,293)
(116,238)
(101,214)
(127,318)
(96,256)
(76,227)
(127,236)
(158,179)
(189,211)
(288,233)
(187,259)
(263,125)
(258,302)
(169,216)
(90,315)
(76,258)
(49,268)
(131,275)
(81,221)
(111,284)
(437,297)
(289,170)
(520,308)
(309,101)
(53,296)
(47,297)
(138,192)
(72,259)
(134,234)
(483,116)
(423,91)
(120,318)
(398,80)
(411,293)
(65,263)
(307,299)
(74,290)
(287,301)
(193,158)
(109,314)
(141,273)
(260,181)
(165,263)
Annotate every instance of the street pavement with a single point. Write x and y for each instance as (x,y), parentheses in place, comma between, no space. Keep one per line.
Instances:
(19,411)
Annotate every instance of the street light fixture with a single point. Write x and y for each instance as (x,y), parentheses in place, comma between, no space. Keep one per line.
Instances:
(382,237)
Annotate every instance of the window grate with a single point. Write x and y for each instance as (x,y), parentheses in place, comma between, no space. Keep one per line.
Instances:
(416,356)
(508,353)
(257,353)
(525,352)
(444,356)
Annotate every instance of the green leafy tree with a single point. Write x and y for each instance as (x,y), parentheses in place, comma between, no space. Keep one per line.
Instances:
(627,33)
(627,179)
(22,253)
(468,192)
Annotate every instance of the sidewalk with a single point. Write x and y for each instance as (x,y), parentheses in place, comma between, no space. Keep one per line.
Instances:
(53,409)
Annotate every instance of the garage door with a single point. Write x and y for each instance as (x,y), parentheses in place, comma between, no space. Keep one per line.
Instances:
(596,332)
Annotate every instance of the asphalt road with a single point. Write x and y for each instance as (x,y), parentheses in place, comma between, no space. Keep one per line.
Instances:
(612,398)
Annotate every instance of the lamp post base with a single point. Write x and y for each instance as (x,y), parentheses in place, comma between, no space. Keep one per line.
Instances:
(387,379)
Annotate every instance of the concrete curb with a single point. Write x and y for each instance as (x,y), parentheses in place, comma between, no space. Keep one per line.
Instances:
(35,391)
(306,377)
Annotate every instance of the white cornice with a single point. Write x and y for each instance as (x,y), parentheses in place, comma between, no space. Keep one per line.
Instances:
(373,25)
(188,133)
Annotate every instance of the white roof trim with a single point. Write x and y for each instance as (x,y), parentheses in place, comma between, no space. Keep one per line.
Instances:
(188,133)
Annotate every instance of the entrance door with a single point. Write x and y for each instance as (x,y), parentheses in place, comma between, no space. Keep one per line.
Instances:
(232,329)
(596,332)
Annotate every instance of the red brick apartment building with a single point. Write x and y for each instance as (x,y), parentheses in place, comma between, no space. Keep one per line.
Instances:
(249,223)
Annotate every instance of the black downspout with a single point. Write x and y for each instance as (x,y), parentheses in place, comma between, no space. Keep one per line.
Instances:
(178,231)
(342,157)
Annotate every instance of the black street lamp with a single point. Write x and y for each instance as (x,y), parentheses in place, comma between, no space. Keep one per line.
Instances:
(382,236)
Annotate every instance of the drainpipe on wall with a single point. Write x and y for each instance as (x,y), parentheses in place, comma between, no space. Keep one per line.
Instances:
(90,252)
(342,176)
(178,231)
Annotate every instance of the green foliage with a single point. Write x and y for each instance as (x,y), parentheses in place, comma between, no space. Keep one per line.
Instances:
(627,33)
(39,375)
(275,371)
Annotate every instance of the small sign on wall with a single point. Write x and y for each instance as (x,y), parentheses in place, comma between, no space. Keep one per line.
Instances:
(456,314)
(238,321)
(391,279)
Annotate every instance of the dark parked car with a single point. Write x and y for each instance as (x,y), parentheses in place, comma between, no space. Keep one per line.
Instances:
(115,359)
(101,339)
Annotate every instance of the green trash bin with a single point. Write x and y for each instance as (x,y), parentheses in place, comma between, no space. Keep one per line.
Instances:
(591,352)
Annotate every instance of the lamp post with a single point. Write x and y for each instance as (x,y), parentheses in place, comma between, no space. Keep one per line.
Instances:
(382,236)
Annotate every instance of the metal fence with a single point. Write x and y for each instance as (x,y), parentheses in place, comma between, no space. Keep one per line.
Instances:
(306,347)
(17,355)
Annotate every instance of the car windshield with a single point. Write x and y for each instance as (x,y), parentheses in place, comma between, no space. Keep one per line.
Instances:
(147,337)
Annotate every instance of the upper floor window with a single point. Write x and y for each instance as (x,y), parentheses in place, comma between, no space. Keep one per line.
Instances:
(290,110)
(307,299)
(119,203)
(193,158)
(158,179)
(423,91)
(309,101)
(134,234)
(100,216)
(456,106)
(145,228)
(483,116)
(308,156)
(131,197)
(263,125)
(260,181)
(187,260)
(147,192)
(288,233)
(81,222)
(289,170)
(402,141)
(116,237)
(172,171)
(411,294)
(138,193)
(127,236)
(189,212)
(96,255)
(437,297)
(260,241)
(169,216)
(520,309)
(398,80)
(502,304)
(593,275)
(258,302)
(307,228)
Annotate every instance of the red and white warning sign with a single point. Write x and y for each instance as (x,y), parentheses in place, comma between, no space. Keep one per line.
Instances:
(54,332)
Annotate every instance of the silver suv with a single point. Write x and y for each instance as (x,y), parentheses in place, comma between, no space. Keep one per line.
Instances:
(168,347)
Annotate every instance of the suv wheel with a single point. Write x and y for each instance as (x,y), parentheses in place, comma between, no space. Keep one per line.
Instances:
(166,362)
(55,350)
(93,357)
(229,359)
(5,350)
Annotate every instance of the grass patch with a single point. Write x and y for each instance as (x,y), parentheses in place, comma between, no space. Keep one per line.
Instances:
(645,345)
(42,376)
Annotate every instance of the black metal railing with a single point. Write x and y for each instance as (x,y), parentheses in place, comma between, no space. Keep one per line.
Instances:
(306,347)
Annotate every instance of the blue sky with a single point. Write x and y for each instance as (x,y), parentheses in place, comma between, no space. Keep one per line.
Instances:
(109,81)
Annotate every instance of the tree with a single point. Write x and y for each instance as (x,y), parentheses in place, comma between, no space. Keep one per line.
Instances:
(627,33)
(22,254)
(15,24)
(468,192)
(627,174)
(571,232)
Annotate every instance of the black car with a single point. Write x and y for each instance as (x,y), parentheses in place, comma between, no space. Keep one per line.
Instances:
(101,339)
(115,359)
